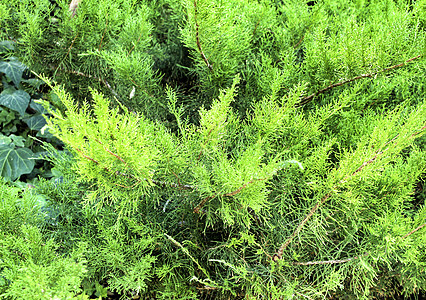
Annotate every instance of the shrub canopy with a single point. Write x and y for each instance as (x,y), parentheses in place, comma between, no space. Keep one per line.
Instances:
(258,149)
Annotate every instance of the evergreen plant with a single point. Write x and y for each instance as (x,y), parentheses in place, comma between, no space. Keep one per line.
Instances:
(227,149)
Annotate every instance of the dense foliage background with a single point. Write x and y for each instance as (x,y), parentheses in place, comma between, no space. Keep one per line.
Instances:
(194,149)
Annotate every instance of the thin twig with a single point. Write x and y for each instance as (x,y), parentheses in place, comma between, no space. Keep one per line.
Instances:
(69,49)
(106,26)
(198,38)
(412,231)
(201,204)
(299,42)
(280,251)
(204,201)
(242,187)
(307,99)
(156,182)
(85,156)
(103,81)
(73,7)
(201,151)
(113,154)
(140,35)
(339,261)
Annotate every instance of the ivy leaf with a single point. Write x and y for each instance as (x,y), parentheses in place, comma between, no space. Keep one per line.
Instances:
(18,140)
(34,82)
(15,99)
(5,140)
(15,162)
(35,122)
(13,69)
(6,46)
(38,107)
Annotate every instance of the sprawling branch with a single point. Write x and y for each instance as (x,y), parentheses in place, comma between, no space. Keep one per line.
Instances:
(203,56)
(325,262)
(73,7)
(414,230)
(280,251)
(205,200)
(340,261)
(118,173)
(307,99)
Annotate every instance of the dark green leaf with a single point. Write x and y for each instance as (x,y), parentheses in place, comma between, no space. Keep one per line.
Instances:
(36,122)
(38,107)
(13,69)
(5,140)
(15,99)
(34,82)
(15,162)
(6,46)
(18,140)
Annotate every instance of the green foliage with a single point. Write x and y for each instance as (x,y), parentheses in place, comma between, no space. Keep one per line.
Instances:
(257,149)
(30,267)
(20,117)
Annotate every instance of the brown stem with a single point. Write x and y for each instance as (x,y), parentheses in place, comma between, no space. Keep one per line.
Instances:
(102,38)
(113,154)
(72,43)
(255,26)
(204,201)
(307,99)
(73,7)
(156,182)
(242,187)
(207,139)
(140,35)
(201,204)
(414,230)
(280,251)
(299,42)
(88,157)
(339,261)
(104,82)
(198,39)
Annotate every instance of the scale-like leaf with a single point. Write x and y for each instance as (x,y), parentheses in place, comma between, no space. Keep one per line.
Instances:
(15,162)
(13,69)
(15,99)
(36,122)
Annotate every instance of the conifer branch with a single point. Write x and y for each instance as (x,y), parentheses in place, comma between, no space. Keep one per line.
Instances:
(134,44)
(87,157)
(103,34)
(348,259)
(73,7)
(113,154)
(156,182)
(414,230)
(204,201)
(70,47)
(280,251)
(339,261)
(203,56)
(299,42)
(103,81)
(307,99)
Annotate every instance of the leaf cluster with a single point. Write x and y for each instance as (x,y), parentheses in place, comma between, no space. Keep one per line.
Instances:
(257,149)
(21,118)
